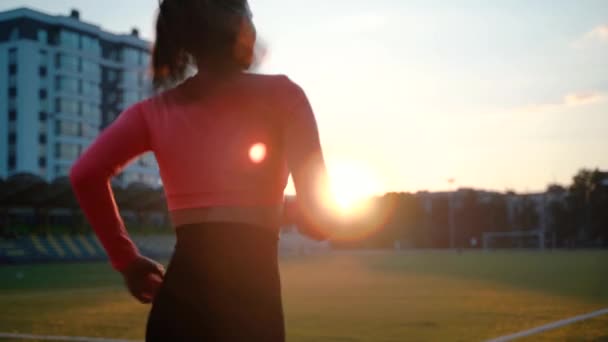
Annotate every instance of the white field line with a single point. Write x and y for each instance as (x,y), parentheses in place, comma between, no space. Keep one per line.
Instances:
(550,326)
(59,338)
(505,338)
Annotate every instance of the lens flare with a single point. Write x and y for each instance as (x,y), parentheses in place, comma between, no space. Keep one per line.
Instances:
(257,153)
(352,185)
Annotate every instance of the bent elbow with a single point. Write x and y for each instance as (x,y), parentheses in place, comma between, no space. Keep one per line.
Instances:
(82,174)
(77,175)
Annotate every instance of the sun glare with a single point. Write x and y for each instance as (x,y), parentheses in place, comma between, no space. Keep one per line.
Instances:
(351,186)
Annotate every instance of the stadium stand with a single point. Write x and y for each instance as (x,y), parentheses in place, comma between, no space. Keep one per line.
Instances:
(50,248)
(71,248)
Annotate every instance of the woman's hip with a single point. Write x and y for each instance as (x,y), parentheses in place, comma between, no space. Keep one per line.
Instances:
(223,280)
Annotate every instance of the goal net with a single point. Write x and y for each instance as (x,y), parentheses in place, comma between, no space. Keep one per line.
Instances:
(528,239)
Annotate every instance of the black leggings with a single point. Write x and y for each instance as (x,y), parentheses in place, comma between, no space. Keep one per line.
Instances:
(222,284)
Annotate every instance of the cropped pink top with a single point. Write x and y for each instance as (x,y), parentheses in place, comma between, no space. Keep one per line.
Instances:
(224,142)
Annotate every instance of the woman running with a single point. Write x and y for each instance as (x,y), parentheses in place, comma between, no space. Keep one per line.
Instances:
(225,141)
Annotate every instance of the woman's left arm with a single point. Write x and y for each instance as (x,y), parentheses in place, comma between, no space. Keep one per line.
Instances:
(125,139)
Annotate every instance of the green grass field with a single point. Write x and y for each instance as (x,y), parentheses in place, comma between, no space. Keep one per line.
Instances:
(417,296)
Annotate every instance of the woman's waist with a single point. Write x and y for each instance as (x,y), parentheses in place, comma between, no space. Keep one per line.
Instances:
(267,216)
(180,200)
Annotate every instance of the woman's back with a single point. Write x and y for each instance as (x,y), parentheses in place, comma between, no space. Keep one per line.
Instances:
(227,142)
(221,143)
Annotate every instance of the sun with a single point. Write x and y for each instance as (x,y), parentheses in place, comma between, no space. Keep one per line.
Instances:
(351,186)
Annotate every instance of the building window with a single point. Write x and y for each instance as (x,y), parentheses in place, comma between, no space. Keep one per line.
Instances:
(42,116)
(44,105)
(12,145)
(113,75)
(69,39)
(12,115)
(65,106)
(12,161)
(43,36)
(14,35)
(91,111)
(131,78)
(65,151)
(12,69)
(44,57)
(12,104)
(112,53)
(88,131)
(67,63)
(12,56)
(42,94)
(91,89)
(91,45)
(42,150)
(42,138)
(12,92)
(66,84)
(90,69)
(42,72)
(67,128)
(42,162)
(131,56)
(144,58)
(61,171)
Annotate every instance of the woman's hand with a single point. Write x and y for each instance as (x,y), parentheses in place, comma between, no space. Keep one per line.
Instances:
(143,278)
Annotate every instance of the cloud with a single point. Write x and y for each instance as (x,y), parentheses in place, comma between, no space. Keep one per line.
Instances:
(599,33)
(570,100)
(583,98)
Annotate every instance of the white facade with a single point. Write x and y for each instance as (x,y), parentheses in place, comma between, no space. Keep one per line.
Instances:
(61,82)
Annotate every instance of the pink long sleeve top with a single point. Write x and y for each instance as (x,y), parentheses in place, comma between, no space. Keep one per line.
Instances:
(218,143)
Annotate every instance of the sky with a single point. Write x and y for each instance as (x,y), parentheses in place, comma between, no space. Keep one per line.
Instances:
(494,95)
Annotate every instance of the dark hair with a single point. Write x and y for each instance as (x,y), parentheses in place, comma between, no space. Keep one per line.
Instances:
(191,32)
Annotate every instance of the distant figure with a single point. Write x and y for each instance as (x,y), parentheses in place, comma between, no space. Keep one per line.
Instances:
(225,141)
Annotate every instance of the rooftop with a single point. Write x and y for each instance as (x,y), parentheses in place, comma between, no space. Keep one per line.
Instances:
(73,21)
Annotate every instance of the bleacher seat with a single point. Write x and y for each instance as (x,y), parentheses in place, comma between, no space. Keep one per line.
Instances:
(63,247)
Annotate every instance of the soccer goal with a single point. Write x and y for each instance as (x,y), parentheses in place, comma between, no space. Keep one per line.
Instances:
(530,239)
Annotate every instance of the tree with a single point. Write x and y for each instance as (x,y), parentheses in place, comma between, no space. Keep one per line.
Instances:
(494,213)
(559,215)
(440,222)
(588,201)
(468,219)
(526,214)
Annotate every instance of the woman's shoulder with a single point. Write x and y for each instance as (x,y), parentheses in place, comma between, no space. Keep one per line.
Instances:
(145,110)
(279,81)
(155,101)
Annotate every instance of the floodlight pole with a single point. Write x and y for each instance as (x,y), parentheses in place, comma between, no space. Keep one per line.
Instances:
(451,195)
(451,219)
